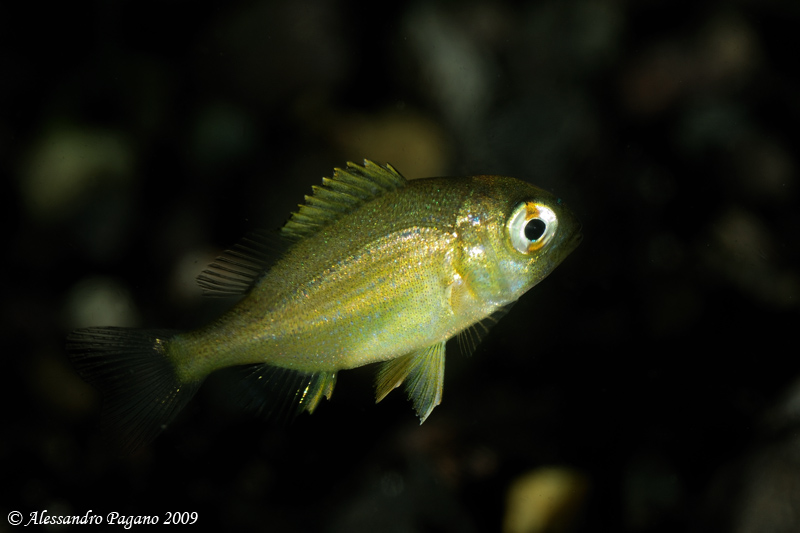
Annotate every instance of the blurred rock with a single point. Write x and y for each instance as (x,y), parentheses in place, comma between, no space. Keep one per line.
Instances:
(457,74)
(546,500)
(67,163)
(744,252)
(59,387)
(718,58)
(652,491)
(411,142)
(727,51)
(269,52)
(99,301)
(770,499)
(222,134)
(765,169)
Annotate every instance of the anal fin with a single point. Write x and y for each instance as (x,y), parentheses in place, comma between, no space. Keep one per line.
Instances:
(320,384)
(423,373)
(283,392)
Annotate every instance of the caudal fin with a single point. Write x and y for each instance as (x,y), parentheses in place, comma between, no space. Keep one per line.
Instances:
(130,367)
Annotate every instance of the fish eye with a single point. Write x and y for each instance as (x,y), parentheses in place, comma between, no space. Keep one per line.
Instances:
(531,226)
(534,229)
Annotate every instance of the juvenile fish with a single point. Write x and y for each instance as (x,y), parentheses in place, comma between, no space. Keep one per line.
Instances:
(378,269)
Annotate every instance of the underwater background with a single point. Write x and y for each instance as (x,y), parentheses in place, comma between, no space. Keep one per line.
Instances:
(651,383)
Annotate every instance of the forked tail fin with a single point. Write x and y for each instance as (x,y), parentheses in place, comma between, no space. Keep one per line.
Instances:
(131,368)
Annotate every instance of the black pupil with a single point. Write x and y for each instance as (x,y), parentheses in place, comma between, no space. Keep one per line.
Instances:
(534,229)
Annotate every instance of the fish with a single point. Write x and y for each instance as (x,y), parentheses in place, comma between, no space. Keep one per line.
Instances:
(375,269)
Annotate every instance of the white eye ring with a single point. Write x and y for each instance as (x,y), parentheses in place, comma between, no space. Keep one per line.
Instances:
(526,237)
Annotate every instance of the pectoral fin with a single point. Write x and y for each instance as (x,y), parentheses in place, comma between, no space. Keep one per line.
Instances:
(469,338)
(423,373)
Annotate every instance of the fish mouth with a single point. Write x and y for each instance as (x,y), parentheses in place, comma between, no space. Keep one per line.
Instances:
(566,247)
(574,240)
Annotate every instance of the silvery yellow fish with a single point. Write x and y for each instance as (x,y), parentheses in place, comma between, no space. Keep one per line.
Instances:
(379,270)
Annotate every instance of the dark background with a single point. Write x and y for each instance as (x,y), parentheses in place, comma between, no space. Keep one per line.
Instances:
(656,368)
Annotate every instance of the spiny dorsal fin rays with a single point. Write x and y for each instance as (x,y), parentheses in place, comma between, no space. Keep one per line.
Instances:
(345,190)
(239,268)
(423,373)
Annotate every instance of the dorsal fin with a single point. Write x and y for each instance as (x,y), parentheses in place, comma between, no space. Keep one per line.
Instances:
(341,193)
(238,269)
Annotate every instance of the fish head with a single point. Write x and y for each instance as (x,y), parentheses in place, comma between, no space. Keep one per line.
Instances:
(511,235)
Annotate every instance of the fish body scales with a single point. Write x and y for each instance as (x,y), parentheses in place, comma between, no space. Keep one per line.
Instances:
(374,285)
